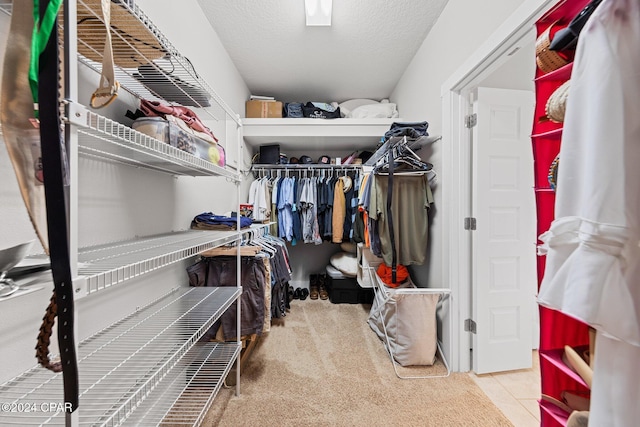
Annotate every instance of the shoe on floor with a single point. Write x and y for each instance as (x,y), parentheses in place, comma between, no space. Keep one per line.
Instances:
(322,289)
(313,286)
(296,293)
(304,293)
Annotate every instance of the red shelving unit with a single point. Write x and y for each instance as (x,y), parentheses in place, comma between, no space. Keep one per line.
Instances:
(556,329)
(551,411)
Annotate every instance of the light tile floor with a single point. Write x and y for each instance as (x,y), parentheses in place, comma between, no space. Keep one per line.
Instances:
(515,393)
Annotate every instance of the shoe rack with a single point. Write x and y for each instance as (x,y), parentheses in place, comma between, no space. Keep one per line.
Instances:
(556,329)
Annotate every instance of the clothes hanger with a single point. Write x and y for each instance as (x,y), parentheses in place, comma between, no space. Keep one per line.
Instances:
(406,161)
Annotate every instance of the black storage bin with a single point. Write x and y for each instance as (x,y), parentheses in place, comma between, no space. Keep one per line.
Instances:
(347,291)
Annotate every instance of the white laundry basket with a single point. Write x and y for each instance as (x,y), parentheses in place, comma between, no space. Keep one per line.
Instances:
(406,323)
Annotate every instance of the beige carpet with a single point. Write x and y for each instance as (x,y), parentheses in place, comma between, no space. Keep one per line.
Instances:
(323,366)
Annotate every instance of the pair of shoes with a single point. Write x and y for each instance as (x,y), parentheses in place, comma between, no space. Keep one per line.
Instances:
(301,294)
(323,290)
(313,286)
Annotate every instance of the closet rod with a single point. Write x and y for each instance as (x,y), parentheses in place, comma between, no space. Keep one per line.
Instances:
(306,166)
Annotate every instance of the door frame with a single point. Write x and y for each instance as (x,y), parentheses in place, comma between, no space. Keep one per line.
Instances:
(456,176)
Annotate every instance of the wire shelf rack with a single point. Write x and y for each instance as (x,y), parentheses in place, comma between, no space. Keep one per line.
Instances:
(185,397)
(106,265)
(6,6)
(108,139)
(172,72)
(124,368)
(148,65)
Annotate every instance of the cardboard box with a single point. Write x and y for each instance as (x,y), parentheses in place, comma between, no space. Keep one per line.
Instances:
(263,109)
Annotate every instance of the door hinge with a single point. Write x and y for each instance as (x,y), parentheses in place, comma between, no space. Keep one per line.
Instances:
(470,326)
(469,223)
(471,120)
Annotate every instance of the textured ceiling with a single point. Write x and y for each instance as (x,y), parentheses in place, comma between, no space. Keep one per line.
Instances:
(362,54)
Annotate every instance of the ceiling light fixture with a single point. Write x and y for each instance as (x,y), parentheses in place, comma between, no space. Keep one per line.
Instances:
(318,12)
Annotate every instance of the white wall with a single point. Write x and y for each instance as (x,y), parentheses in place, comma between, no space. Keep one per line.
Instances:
(118,202)
(519,70)
(186,26)
(462,27)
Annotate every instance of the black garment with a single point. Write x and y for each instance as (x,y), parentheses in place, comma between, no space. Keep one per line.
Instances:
(408,129)
(348,212)
(328,218)
(297,224)
(358,228)
(321,205)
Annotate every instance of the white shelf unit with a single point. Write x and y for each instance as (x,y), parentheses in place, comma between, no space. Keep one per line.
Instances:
(136,370)
(316,134)
(104,138)
(139,370)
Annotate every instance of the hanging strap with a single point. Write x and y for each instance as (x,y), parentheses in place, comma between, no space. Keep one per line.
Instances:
(390,217)
(108,89)
(53,163)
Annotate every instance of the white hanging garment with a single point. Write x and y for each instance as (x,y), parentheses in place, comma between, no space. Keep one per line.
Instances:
(593,255)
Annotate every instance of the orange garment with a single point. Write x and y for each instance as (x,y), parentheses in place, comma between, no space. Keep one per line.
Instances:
(365,215)
(384,272)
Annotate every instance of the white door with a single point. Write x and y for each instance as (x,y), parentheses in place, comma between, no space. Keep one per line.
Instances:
(504,251)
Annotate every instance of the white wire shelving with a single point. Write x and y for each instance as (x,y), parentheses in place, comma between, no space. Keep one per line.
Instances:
(146,369)
(106,265)
(105,138)
(152,367)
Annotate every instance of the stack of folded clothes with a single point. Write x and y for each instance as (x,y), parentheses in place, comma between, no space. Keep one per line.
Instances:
(210,221)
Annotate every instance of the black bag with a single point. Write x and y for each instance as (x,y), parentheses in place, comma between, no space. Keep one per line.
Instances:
(311,111)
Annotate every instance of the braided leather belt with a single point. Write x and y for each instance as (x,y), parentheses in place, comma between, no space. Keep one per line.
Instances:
(44,337)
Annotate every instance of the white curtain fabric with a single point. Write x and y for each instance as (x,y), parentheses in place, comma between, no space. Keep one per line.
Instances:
(593,246)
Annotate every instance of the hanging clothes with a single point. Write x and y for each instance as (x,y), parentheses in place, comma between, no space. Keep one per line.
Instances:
(339,210)
(360,228)
(221,271)
(302,209)
(285,209)
(274,207)
(329,189)
(259,197)
(349,193)
(295,211)
(411,200)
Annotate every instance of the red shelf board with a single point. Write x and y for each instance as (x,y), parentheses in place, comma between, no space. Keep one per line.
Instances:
(558,414)
(552,134)
(555,357)
(562,74)
(564,11)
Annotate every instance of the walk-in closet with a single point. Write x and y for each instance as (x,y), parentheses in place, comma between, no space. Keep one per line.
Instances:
(318,213)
